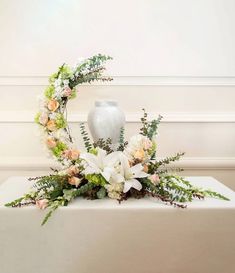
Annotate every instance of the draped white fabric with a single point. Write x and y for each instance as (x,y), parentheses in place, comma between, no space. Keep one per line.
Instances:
(102,236)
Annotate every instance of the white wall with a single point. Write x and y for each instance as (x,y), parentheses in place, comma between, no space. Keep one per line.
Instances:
(171,57)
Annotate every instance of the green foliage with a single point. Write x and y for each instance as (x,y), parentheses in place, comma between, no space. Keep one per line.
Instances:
(85,136)
(52,186)
(53,77)
(101,193)
(163,162)
(74,94)
(15,203)
(153,126)
(122,143)
(96,179)
(59,148)
(37,117)
(214,194)
(174,189)
(83,189)
(104,144)
(60,121)
(68,195)
(91,70)
(65,72)
(52,207)
(93,151)
(149,129)
(178,189)
(49,91)
(144,121)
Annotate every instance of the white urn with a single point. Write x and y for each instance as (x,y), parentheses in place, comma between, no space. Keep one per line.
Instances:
(105,120)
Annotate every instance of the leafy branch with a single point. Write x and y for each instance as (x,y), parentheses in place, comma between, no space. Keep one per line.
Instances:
(86,138)
(68,195)
(104,144)
(149,129)
(122,143)
(167,160)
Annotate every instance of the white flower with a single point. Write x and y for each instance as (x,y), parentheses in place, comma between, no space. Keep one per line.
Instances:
(114,190)
(130,174)
(52,115)
(65,82)
(100,164)
(57,82)
(139,148)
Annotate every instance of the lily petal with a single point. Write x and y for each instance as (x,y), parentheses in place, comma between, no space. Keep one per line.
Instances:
(107,173)
(91,160)
(132,183)
(137,171)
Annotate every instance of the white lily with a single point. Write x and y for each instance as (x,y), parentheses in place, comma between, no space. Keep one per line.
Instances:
(100,164)
(130,174)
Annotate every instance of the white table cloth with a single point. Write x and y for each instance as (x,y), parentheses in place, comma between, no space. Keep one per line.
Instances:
(101,236)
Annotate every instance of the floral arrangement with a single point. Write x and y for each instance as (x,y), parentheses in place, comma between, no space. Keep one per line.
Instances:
(131,169)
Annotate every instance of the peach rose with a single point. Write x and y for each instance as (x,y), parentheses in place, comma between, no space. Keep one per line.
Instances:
(72,170)
(71,154)
(42,204)
(43,119)
(146,168)
(53,105)
(67,92)
(74,154)
(51,142)
(51,125)
(74,181)
(154,179)
(139,154)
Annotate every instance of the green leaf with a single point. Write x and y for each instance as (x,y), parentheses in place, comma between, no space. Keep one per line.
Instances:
(101,193)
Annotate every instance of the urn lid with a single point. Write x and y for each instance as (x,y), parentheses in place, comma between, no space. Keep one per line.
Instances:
(106,103)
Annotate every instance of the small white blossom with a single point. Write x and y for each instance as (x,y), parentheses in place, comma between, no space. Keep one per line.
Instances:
(57,82)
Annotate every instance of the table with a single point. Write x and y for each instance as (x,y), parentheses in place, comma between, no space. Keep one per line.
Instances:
(101,236)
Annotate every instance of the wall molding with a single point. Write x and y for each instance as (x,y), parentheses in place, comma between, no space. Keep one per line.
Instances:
(42,80)
(17,116)
(187,163)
